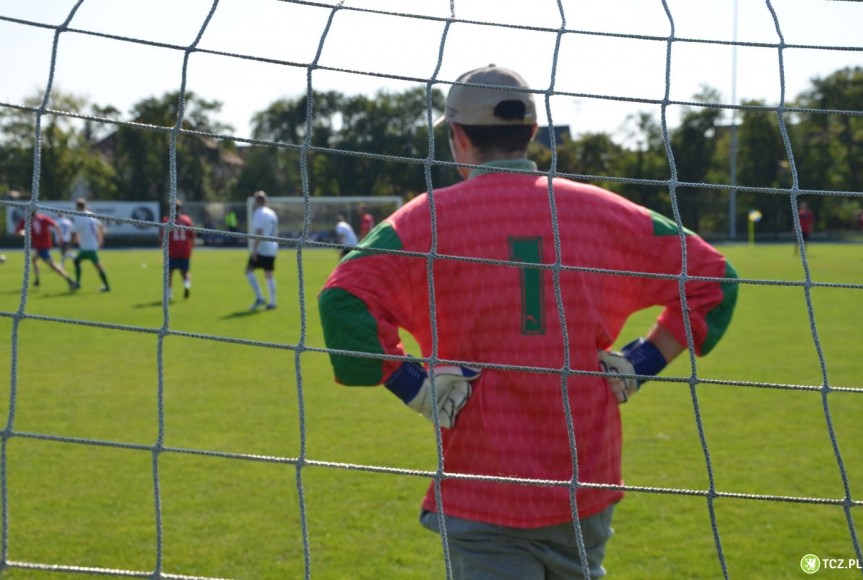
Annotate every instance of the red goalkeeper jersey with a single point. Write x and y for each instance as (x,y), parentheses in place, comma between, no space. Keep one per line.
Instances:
(552,311)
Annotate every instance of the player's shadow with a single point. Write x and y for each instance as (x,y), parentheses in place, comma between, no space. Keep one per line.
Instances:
(153,304)
(35,294)
(241,314)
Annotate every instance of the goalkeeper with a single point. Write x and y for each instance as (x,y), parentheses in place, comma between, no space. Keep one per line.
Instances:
(513,423)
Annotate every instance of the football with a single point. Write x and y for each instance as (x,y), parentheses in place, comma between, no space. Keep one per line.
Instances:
(2,258)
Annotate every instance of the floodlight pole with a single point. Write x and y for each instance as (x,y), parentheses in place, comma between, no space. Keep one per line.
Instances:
(732,155)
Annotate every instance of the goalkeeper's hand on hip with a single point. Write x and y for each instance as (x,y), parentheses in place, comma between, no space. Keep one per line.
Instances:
(639,357)
(452,385)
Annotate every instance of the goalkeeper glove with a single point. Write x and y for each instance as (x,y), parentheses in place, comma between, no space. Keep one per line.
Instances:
(411,383)
(639,357)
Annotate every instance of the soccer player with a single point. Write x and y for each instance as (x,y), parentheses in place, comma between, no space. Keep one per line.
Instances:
(90,236)
(265,223)
(180,245)
(522,283)
(367,221)
(64,241)
(345,235)
(807,223)
(41,243)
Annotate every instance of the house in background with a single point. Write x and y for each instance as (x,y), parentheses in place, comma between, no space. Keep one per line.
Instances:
(560,134)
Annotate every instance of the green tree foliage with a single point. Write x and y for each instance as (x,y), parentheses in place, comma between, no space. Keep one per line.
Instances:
(278,166)
(828,146)
(763,163)
(65,154)
(591,157)
(693,146)
(353,140)
(392,125)
(16,150)
(143,154)
(646,160)
(333,144)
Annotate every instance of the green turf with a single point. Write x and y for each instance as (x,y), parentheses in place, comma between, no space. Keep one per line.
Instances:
(91,407)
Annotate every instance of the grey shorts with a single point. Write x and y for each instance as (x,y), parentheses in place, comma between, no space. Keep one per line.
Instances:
(480,551)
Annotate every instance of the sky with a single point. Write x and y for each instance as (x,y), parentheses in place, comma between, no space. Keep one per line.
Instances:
(610,64)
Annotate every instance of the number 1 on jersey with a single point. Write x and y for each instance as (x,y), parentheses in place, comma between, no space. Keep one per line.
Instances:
(529,250)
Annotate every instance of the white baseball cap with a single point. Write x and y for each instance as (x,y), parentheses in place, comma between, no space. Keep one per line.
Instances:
(467,104)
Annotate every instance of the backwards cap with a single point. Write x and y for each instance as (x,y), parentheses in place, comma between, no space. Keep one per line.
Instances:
(479,105)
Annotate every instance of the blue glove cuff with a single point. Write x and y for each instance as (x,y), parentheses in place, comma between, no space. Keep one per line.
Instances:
(406,381)
(644,357)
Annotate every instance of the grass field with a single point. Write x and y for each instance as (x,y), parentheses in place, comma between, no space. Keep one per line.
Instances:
(91,410)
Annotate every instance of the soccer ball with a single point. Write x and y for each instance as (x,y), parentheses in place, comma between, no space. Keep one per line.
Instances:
(2,258)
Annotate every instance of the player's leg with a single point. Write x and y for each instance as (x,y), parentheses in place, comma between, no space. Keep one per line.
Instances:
(182,266)
(269,269)
(77,263)
(171,269)
(559,550)
(64,253)
(46,257)
(479,550)
(34,259)
(102,274)
(172,265)
(187,279)
(253,282)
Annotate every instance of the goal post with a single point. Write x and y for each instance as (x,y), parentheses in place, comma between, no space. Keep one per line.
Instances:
(323,213)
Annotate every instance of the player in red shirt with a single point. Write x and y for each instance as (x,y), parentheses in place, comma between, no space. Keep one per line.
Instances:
(180,245)
(527,302)
(807,223)
(41,242)
(367,221)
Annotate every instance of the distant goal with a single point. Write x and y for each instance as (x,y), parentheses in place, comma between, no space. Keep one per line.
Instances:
(323,212)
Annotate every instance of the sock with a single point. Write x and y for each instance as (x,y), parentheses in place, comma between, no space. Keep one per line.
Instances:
(253,282)
(104,278)
(271,286)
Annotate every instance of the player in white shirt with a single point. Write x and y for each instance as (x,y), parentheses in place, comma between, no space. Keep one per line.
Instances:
(265,223)
(64,244)
(90,234)
(345,235)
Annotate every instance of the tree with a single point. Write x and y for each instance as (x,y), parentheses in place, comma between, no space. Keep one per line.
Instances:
(838,134)
(762,162)
(594,154)
(17,129)
(648,161)
(693,146)
(351,136)
(828,145)
(278,169)
(65,153)
(391,124)
(143,154)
